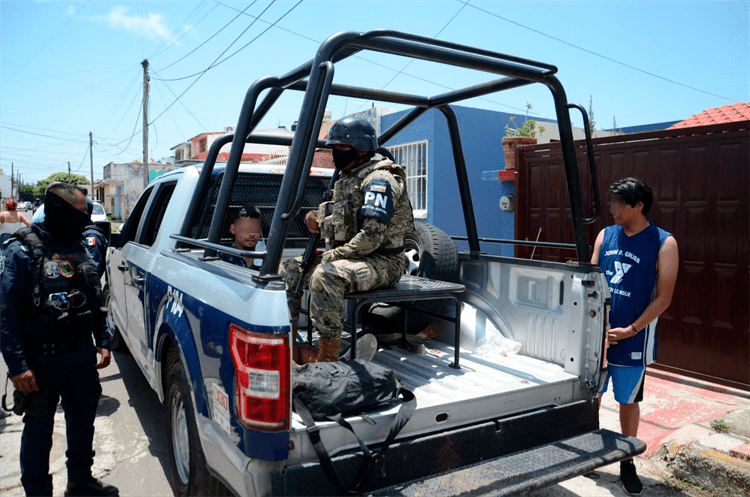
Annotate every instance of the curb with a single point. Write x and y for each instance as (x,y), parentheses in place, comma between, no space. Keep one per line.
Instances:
(708,468)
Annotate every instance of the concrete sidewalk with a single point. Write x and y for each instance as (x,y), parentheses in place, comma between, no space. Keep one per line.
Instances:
(697,432)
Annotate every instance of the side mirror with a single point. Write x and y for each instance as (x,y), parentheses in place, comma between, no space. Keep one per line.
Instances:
(106,227)
(116,240)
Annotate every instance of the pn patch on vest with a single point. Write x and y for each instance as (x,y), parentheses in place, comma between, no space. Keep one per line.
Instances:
(378,201)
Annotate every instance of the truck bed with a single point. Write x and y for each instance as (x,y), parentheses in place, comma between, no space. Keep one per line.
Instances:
(446,397)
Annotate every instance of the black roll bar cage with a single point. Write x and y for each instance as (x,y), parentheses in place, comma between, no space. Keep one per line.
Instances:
(315,79)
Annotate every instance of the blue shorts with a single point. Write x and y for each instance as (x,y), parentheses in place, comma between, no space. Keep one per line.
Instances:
(627,383)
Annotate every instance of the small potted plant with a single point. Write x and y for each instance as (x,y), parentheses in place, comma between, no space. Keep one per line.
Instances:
(517,136)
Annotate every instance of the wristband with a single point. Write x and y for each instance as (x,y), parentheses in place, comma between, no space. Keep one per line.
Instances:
(635,332)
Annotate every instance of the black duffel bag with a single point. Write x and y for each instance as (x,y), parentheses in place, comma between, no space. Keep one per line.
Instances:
(332,390)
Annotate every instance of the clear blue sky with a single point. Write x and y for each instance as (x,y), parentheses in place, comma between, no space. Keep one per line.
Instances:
(70,68)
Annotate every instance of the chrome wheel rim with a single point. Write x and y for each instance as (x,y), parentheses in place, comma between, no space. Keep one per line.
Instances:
(412,261)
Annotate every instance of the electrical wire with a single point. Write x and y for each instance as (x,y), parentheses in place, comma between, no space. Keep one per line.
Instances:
(40,134)
(209,39)
(203,126)
(595,53)
(187,31)
(130,138)
(412,60)
(125,114)
(214,63)
(50,40)
(232,55)
(85,154)
(378,64)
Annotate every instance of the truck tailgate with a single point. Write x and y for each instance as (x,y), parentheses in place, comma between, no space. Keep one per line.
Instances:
(527,470)
(500,457)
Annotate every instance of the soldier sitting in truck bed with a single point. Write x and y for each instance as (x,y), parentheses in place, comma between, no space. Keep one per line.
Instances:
(363,226)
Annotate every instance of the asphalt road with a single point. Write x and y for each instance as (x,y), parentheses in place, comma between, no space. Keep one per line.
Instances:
(130,438)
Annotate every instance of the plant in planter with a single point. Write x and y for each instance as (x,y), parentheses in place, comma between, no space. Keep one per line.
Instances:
(528,129)
(515,136)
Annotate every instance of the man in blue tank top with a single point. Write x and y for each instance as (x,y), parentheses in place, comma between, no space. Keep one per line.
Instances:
(640,263)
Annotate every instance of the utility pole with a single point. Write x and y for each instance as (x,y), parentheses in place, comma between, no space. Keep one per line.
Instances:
(68,171)
(12,175)
(91,156)
(145,122)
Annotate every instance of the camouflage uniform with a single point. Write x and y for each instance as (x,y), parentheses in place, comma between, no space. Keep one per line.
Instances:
(363,226)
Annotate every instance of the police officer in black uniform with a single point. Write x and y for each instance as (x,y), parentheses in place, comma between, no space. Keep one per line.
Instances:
(95,241)
(50,306)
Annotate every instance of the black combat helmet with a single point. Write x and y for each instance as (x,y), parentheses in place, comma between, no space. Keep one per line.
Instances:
(357,133)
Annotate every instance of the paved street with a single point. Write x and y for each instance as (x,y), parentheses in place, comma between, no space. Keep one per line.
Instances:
(131,437)
(132,452)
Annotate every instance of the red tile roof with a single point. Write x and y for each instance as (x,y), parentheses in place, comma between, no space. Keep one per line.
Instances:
(724,114)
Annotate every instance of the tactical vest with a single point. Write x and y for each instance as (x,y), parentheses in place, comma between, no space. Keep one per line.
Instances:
(341,218)
(66,294)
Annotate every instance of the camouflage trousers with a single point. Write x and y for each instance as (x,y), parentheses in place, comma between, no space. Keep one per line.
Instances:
(328,282)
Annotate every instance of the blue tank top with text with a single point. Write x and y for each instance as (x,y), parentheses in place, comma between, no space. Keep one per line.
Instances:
(629,264)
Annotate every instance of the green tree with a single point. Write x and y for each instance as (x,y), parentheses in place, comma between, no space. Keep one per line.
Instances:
(75,179)
(26,192)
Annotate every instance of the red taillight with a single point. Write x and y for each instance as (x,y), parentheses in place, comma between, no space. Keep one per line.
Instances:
(261,363)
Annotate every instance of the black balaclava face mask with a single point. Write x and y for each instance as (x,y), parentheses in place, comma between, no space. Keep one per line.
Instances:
(342,158)
(63,221)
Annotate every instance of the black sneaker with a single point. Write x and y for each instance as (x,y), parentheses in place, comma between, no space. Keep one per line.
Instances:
(91,486)
(630,481)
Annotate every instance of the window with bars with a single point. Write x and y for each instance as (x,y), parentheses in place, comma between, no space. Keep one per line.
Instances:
(414,157)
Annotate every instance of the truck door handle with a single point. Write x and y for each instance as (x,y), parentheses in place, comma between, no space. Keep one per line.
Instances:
(139,280)
(122,266)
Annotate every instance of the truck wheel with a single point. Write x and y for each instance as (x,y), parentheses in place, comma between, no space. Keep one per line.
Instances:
(430,253)
(189,475)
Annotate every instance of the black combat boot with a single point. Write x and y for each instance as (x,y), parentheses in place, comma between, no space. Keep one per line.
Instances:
(92,486)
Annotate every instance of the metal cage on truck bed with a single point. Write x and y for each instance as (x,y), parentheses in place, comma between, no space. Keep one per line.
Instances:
(315,79)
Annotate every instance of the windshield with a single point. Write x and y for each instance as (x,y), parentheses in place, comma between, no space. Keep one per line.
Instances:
(98,209)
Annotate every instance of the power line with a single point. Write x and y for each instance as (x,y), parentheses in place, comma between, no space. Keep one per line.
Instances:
(214,63)
(63,79)
(318,42)
(52,38)
(85,154)
(40,129)
(183,105)
(595,53)
(130,138)
(40,134)
(209,39)
(125,114)
(187,31)
(438,34)
(412,60)
(232,55)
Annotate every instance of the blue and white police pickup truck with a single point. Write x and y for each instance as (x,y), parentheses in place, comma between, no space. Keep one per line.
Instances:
(214,339)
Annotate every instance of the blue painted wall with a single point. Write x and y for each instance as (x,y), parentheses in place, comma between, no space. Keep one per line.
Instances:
(481,135)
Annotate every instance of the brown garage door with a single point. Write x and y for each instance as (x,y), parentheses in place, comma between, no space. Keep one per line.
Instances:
(702,192)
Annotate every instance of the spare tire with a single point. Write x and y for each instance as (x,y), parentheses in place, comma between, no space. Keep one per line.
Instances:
(430,253)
